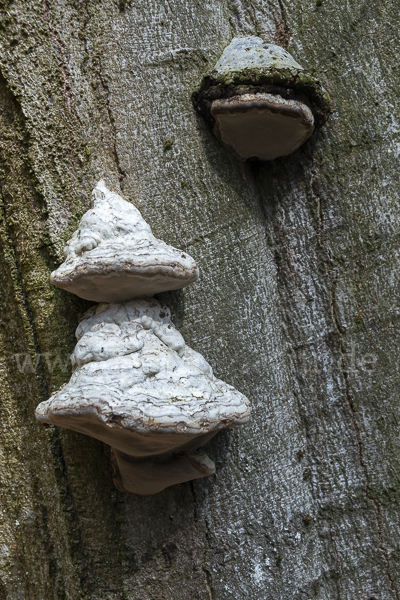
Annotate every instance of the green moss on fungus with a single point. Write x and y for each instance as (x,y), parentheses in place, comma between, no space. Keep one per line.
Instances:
(307,519)
(168,145)
(289,83)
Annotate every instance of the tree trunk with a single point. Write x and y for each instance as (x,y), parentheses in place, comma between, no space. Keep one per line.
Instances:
(297,305)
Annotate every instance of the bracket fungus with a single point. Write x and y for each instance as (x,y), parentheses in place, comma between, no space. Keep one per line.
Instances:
(261,102)
(113,255)
(138,387)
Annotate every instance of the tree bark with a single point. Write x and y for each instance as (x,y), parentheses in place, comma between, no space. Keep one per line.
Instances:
(297,305)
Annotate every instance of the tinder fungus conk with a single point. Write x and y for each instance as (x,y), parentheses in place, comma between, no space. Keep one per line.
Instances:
(138,387)
(113,256)
(261,102)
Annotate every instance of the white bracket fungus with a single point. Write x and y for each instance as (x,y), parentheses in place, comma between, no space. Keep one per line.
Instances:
(262,103)
(138,387)
(113,256)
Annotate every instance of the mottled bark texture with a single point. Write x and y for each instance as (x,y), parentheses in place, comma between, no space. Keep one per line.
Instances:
(297,305)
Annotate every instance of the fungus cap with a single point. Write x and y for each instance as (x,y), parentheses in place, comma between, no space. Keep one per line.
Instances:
(263,126)
(139,388)
(252,52)
(285,91)
(113,256)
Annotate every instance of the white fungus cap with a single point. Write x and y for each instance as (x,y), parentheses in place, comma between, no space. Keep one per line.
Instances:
(252,52)
(113,256)
(138,387)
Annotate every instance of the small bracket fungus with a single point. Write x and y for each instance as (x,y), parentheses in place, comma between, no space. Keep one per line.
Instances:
(138,387)
(113,256)
(261,102)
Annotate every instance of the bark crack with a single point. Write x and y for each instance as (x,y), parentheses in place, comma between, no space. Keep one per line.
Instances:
(121,172)
(206,571)
(283,32)
(106,92)
(337,560)
(62,57)
(348,400)
(374,503)
(204,568)
(209,584)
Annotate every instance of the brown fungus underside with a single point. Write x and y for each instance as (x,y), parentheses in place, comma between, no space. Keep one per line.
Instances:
(262,126)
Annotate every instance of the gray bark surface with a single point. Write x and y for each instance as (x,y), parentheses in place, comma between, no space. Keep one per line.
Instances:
(297,304)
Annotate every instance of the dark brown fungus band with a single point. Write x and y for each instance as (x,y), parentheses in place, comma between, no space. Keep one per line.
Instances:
(262,126)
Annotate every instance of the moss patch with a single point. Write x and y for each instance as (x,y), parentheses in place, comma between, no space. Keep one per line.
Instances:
(290,83)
